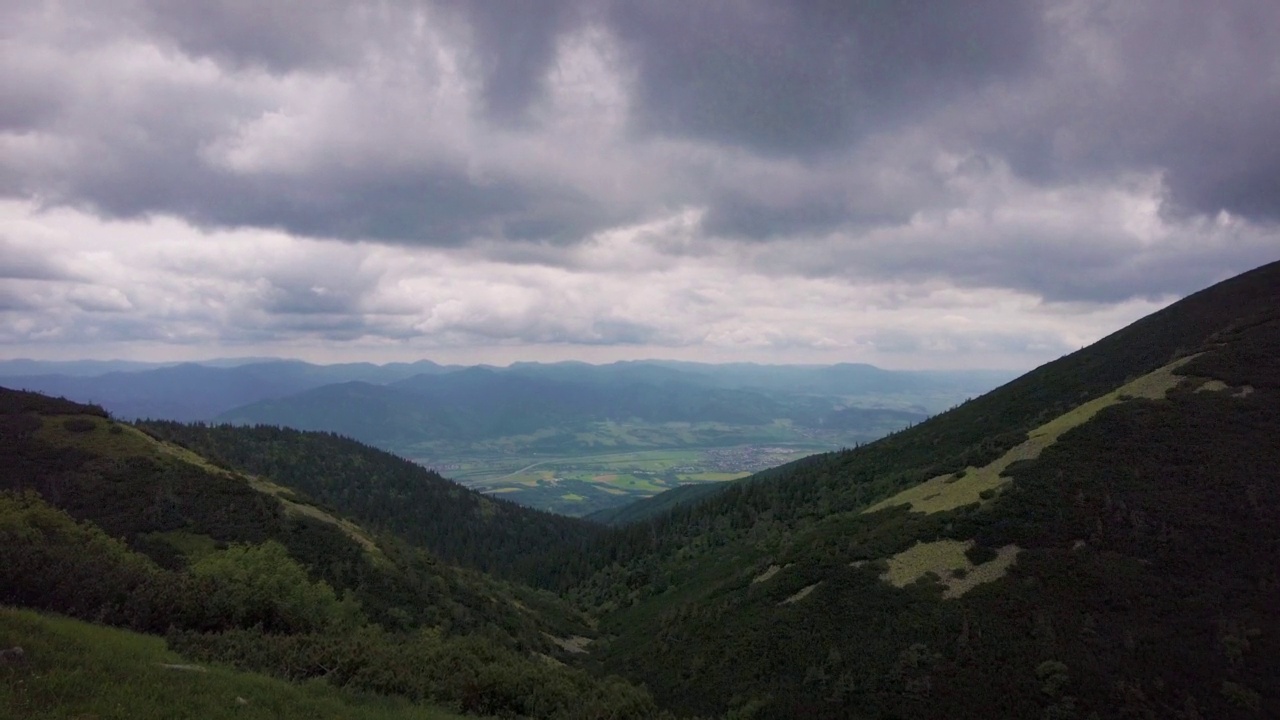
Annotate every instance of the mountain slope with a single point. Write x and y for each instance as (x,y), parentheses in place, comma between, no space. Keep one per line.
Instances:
(103,522)
(393,495)
(174,506)
(655,506)
(1096,537)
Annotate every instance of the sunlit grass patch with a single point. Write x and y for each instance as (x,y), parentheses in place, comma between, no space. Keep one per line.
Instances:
(947,560)
(947,492)
(939,557)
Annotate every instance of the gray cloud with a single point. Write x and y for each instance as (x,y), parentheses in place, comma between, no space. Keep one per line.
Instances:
(805,78)
(1083,153)
(1183,87)
(24,262)
(279,36)
(513,44)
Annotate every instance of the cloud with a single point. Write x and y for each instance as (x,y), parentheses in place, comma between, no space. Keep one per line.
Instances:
(596,173)
(631,292)
(1176,87)
(806,78)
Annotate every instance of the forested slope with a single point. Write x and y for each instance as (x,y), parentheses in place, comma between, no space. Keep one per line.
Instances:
(388,493)
(99,521)
(1096,537)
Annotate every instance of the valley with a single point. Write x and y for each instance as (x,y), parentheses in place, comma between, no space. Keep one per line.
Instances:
(572,438)
(610,464)
(580,485)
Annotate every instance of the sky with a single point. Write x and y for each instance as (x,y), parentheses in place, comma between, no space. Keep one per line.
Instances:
(969,184)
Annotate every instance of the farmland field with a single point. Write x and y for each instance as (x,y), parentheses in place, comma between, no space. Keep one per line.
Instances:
(583,484)
(581,470)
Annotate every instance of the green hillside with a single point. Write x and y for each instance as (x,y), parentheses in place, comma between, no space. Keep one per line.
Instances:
(1095,537)
(390,494)
(653,507)
(102,522)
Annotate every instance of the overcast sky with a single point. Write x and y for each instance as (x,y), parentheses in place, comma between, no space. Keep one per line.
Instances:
(912,184)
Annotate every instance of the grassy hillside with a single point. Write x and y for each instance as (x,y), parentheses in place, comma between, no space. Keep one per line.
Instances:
(71,669)
(390,494)
(1096,537)
(103,522)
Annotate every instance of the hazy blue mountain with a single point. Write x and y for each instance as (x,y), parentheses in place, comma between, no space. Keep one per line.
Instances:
(479,403)
(79,368)
(190,391)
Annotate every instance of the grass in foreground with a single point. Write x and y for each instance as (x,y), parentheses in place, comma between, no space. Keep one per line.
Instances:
(75,670)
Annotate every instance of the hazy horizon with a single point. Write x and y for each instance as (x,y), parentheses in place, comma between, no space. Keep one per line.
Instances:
(235,360)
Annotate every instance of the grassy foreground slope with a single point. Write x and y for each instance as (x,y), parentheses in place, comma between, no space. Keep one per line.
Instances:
(1098,540)
(72,669)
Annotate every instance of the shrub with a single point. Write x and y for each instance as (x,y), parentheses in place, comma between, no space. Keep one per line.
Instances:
(263,585)
(979,554)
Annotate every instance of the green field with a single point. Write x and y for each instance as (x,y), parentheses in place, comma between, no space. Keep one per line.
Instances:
(577,470)
(579,485)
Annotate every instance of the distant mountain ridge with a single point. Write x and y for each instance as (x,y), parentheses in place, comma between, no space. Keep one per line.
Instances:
(189,391)
(193,391)
(493,421)
(480,402)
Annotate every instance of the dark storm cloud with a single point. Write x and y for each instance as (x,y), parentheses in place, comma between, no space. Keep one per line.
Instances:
(777,120)
(280,35)
(813,76)
(1186,87)
(513,43)
(435,206)
(1074,259)
(738,216)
